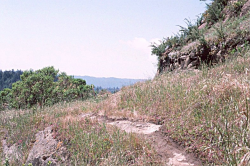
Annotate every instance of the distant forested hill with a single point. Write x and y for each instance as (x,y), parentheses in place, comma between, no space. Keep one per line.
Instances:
(108,82)
(7,78)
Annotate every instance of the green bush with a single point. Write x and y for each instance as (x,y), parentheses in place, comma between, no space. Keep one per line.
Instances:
(43,88)
(191,33)
(214,11)
(220,33)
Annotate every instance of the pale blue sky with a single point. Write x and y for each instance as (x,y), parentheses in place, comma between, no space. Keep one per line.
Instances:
(101,38)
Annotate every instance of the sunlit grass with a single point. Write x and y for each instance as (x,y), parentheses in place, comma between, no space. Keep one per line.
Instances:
(206,111)
(87,141)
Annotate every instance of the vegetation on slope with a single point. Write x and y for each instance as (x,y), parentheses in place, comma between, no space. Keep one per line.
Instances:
(205,110)
(42,88)
(87,141)
(221,29)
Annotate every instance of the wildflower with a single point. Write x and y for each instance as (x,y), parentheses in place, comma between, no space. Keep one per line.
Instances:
(19,142)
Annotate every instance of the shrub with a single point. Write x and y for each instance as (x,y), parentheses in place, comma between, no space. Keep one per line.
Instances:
(159,49)
(191,33)
(214,11)
(220,32)
(236,6)
(43,87)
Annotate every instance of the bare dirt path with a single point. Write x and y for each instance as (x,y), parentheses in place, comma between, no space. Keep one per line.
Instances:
(169,152)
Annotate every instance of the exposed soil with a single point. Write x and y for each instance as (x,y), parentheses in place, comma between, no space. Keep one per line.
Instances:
(136,127)
(12,152)
(45,148)
(169,152)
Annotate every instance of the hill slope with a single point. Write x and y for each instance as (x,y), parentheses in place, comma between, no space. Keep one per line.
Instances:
(219,34)
(206,111)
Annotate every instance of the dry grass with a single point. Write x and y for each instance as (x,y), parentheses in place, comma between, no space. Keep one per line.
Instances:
(205,110)
(87,141)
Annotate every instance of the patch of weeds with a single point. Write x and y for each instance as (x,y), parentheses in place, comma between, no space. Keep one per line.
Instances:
(6,163)
(214,11)
(236,6)
(220,32)
(22,125)
(95,144)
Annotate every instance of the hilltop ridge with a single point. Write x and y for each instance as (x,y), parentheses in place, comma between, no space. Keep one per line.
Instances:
(220,32)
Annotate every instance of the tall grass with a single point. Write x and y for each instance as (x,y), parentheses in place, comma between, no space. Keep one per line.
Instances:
(96,144)
(206,111)
(87,142)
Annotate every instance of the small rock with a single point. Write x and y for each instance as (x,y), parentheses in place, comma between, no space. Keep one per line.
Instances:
(202,26)
(44,148)
(12,152)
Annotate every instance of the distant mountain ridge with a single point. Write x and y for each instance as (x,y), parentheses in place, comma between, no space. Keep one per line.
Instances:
(109,82)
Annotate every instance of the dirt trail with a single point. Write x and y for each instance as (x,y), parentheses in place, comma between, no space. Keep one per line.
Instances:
(169,152)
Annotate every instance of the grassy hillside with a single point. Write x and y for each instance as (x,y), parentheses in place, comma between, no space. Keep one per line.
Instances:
(87,141)
(204,109)
(219,34)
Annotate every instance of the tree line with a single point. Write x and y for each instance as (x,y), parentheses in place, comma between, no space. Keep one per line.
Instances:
(43,87)
(99,89)
(7,78)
